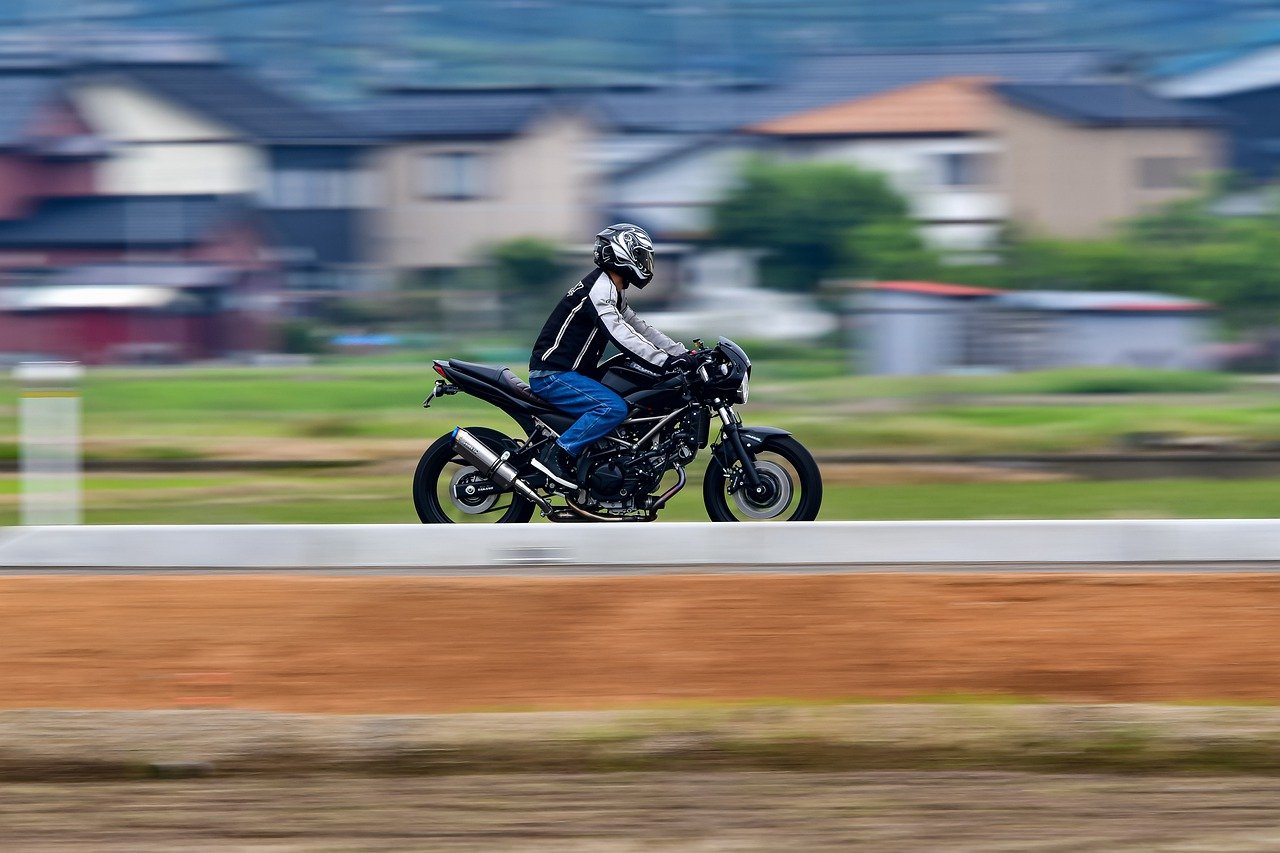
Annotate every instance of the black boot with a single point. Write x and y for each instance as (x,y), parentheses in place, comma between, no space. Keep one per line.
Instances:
(554,462)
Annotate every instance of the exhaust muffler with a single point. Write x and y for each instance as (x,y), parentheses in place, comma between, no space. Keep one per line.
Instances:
(494,466)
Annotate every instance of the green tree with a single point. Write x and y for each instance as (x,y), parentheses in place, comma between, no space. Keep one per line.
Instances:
(1184,249)
(803,214)
(528,270)
(526,265)
(889,250)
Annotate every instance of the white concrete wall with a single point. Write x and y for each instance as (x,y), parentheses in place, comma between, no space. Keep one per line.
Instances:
(161,148)
(908,333)
(644,547)
(1165,341)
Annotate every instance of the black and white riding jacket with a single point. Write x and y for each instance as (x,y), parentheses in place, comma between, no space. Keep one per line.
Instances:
(590,315)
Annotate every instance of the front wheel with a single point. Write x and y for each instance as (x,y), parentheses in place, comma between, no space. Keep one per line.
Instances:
(440,486)
(791,486)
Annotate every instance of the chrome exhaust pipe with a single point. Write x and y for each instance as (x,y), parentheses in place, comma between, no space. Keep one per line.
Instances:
(494,466)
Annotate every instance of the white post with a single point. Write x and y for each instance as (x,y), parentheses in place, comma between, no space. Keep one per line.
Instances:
(49,441)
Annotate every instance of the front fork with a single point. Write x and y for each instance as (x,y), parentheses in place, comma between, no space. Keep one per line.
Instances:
(731,434)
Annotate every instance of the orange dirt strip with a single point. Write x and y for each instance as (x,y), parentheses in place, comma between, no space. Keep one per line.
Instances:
(391,645)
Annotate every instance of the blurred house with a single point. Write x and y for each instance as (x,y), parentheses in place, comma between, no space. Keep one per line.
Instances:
(918,327)
(922,328)
(113,278)
(934,141)
(156,208)
(204,127)
(1037,330)
(463,170)
(970,153)
(671,190)
(1079,156)
(1252,123)
(667,154)
(47,149)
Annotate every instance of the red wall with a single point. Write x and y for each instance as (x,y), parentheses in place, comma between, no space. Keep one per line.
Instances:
(99,337)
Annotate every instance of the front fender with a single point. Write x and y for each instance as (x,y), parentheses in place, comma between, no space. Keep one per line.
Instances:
(752,438)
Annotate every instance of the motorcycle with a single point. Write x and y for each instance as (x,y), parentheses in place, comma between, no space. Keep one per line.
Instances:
(478,474)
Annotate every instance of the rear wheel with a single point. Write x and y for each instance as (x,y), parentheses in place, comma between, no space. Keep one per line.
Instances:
(449,490)
(791,486)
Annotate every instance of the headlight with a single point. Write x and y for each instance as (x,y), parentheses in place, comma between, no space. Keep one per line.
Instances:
(744,389)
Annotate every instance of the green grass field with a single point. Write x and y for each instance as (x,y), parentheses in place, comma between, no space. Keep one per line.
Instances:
(321,412)
(305,497)
(173,412)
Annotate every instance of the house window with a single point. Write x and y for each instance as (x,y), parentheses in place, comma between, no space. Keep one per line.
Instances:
(964,169)
(1165,173)
(296,189)
(453,175)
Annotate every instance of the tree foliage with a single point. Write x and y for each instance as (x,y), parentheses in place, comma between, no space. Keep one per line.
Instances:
(806,215)
(527,265)
(1184,249)
(889,250)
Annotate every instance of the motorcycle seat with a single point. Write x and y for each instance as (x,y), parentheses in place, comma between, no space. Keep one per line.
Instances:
(503,378)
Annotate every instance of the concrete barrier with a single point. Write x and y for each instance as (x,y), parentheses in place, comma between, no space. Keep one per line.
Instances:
(621,547)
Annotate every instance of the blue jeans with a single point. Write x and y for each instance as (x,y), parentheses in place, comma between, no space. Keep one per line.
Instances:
(598,408)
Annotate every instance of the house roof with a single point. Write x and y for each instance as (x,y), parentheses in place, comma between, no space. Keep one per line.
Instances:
(931,288)
(810,82)
(1106,105)
(459,113)
(946,105)
(1108,302)
(93,221)
(821,80)
(242,102)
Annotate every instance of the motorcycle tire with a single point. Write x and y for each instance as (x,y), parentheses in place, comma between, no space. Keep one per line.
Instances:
(433,493)
(787,467)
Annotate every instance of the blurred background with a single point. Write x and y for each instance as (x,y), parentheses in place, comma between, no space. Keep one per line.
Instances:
(993,259)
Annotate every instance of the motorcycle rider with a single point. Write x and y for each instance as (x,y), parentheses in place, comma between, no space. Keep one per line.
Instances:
(593,313)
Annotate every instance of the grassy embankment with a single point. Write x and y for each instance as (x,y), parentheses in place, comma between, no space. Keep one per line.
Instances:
(372,412)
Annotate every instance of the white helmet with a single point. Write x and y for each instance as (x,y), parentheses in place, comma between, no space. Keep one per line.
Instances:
(627,250)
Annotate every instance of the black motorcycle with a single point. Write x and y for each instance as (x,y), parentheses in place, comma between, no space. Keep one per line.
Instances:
(477,474)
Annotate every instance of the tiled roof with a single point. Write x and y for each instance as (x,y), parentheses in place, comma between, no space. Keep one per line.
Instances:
(92,221)
(931,288)
(822,80)
(947,105)
(242,102)
(1106,104)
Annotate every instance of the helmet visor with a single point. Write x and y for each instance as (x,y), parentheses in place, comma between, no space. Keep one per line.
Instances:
(644,260)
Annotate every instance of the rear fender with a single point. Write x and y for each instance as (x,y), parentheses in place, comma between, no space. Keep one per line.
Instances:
(518,410)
